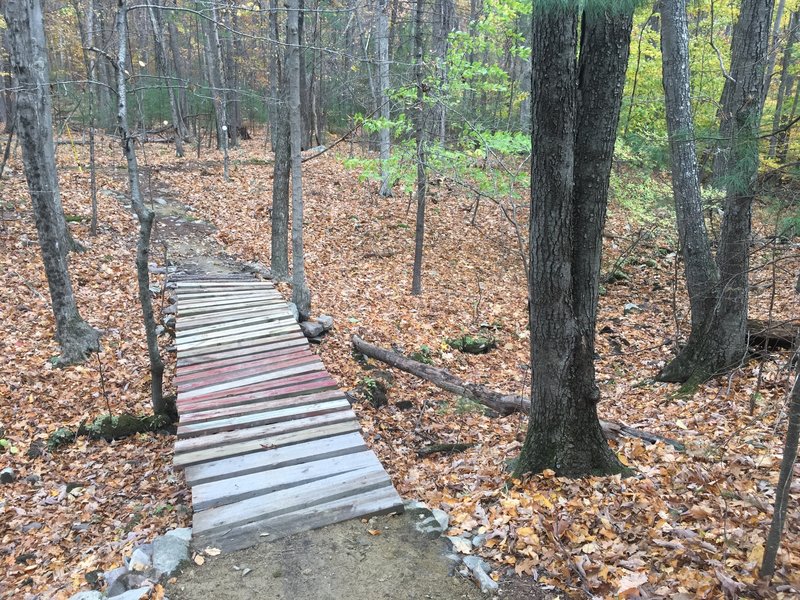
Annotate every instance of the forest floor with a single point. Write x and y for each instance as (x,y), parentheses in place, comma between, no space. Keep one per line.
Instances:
(688,524)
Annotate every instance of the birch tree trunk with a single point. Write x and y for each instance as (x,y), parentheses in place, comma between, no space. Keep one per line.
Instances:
(300,293)
(29,66)
(143,214)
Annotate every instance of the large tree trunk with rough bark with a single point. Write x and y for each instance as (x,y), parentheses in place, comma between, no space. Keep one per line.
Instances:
(143,214)
(575,112)
(28,58)
(718,342)
(300,293)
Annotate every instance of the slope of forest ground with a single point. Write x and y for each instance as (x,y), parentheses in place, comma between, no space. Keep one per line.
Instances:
(685,525)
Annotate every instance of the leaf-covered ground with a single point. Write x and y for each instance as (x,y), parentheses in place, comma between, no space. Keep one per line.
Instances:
(686,525)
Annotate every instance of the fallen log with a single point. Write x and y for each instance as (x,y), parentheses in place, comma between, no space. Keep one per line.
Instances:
(444,448)
(504,404)
(764,334)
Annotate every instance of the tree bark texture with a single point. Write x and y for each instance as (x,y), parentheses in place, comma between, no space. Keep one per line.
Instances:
(300,292)
(28,58)
(419,133)
(280,181)
(719,342)
(786,83)
(383,82)
(701,272)
(163,72)
(143,214)
(575,110)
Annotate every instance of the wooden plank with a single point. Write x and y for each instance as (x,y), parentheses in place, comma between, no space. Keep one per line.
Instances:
(297,454)
(287,354)
(264,433)
(247,381)
(224,342)
(195,291)
(203,284)
(233,376)
(245,348)
(381,501)
(273,415)
(190,372)
(186,310)
(228,316)
(190,337)
(226,301)
(242,487)
(285,501)
(294,386)
(214,454)
(212,413)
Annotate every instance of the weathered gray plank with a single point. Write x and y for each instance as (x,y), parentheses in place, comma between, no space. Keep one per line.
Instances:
(376,502)
(242,348)
(188,374)
(213,413)
(275,415)
(250,335)
(296,454)
(242,487)
(261,378)
(263,433)
(281,502)
(189,337)
(213,454)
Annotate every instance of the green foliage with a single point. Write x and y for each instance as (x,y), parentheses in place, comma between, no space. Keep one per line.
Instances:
(644,199)
(472,344)
(422,355)
(465,406)
(7,446)
(60,437)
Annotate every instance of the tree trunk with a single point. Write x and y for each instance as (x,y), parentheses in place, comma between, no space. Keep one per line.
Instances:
(143,214)
(503,404)
(300,293)
(419,127)
(214,67)
(275,81)
(29,66)
(786,84)
(572,124)
(163,72)
(701,272)
(231,78)
(383,78)
(773,46)
(719,342)
(280,180)
(782,492)
(180,74)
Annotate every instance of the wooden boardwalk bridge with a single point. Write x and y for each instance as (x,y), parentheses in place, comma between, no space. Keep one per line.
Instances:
(268,443)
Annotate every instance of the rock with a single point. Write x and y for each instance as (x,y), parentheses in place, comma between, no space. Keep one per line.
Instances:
(417,508)
(631,308)
(429,527)
(442,517)
(156,270)
(169,321)
(114,583)
(170,310)
(480,571)
(312,329)
(479,540)
(317,149)
(155,289)
(182,533)
(160,201)
(142,558)
(31,527)
(326,321)
(294,311)
(169,551)
(91,595)
(258,269)
(136,594)
(132,580)
(460,544)
(160,330)
(7,475)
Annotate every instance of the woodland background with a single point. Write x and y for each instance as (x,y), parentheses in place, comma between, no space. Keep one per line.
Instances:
(689,524)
